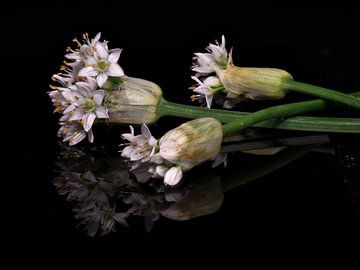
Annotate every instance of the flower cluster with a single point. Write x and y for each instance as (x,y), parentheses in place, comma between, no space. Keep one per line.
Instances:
(179,150)
(207,65)
(220,80)
(79,95)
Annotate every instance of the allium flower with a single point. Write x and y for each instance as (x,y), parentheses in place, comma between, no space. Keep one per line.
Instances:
(142,147)
(86,104)
(207,89)
(179,150)
(102,64)
(216,58)
(73,132)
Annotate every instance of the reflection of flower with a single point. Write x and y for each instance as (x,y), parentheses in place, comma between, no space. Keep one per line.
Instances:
(104,198)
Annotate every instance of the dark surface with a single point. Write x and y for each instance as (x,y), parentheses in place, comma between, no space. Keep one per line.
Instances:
(307,201)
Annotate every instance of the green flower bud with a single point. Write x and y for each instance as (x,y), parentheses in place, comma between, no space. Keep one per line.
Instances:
(192,142)
(254,83)
(135,101)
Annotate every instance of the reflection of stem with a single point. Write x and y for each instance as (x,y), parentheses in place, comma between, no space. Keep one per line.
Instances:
(263,167)
(275,142)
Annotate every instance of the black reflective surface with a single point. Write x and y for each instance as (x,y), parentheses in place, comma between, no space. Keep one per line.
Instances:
(314,197)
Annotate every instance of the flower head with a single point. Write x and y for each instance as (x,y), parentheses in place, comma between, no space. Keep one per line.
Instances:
(86,103)
(140,148)
(206,89)
(235,83)
(179,150)
(216,58)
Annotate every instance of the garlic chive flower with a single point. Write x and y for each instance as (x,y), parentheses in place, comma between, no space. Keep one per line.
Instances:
(216,58)
(179,150)
(140,148)
(78,95)
(235,83)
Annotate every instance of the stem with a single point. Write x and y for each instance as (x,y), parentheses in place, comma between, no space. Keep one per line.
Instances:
(305,123)
(278,112)
(322,92)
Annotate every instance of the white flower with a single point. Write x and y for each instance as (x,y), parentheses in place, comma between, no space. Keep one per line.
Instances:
(216,58)
(86,104)
(207,89)
(173,176)
(84,51)
(73,132)
(179,150)
(102,64)
(141,147)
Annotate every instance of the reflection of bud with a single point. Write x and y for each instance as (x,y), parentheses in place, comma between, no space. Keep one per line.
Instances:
(202,198)
(192,142)
(135,102)
(255,83)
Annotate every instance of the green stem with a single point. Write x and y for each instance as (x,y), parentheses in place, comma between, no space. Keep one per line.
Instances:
(305,123)
(277,112)
(322,92)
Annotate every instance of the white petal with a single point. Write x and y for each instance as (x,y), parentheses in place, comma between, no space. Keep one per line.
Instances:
(101,51)
(173,176)
(153,141)
(77,138)
(90,136)
(77,115)
(145,131)
(69,109)
(209,99)
(98,96)
(88,71)
(89,119)
(96,39)
(212,81)
(196,79)
(114,55)
(115,70)
(161,170)
(126,152)
(101,112)
(127,136)
(101,79)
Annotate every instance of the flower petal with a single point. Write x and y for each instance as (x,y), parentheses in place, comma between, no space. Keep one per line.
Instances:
(88,119)
(98,96)
(101,79)
(115,70)
(173,176)
(77,115)
(145,131)
(114,55)
(88,71)
(101,112)
(101,51)
(90,136)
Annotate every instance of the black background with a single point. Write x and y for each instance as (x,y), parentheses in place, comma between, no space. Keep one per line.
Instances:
(307,202)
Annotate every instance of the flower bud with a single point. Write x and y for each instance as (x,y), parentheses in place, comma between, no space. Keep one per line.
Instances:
(134,102)
(254,83)
(192,142)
